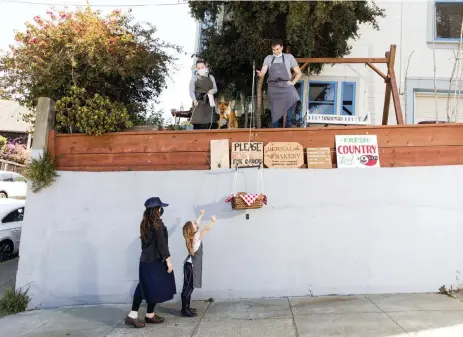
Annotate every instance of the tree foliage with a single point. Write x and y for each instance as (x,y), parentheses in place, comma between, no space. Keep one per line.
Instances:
(310,28)
(110,55)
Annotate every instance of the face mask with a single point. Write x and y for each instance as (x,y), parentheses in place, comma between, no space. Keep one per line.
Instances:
(161,211)
(203,72)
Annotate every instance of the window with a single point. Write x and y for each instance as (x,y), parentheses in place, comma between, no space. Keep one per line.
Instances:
(16,215)
(322,97)
(448,16)
(348,98)
(7,177)
(19,178)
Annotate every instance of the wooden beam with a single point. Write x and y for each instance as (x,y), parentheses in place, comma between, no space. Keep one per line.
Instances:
(342,60)
(396,99)
(377,70)
(304,65)
(393,83)
(387,103)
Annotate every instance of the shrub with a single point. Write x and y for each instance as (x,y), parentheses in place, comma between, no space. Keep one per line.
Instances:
(3,142)
(109,55)
(15,152)
(14,301)
(91,114)
(41,172)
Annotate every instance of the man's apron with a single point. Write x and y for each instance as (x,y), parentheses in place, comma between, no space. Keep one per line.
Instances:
(197,262)
(203,113)
(281,96)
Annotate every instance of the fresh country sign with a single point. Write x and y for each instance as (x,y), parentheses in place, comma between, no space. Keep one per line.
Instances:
(357,151)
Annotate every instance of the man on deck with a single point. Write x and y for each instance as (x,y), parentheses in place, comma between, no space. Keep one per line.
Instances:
(282,94)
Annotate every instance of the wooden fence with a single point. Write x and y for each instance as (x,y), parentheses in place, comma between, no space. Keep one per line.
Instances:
(404,145)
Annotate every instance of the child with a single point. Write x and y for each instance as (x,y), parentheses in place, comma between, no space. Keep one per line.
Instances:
(192,268)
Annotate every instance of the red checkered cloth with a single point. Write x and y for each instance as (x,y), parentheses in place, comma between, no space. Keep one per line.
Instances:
(229,199)
(249,198)
(265,199)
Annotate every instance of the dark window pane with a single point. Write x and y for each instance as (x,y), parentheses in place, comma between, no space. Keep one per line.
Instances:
(17,215)
(322,92)
(448,20)
(348,99)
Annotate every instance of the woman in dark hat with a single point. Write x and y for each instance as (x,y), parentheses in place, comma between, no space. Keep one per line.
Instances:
(156,277)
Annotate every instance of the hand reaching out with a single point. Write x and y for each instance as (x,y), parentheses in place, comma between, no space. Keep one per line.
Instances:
(202,212)
(213,218)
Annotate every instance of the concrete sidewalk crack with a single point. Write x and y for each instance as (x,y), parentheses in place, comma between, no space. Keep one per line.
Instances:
(199,321)
(294,320)
(386,314)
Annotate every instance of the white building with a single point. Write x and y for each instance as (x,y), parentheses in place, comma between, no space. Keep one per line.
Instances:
(416,27)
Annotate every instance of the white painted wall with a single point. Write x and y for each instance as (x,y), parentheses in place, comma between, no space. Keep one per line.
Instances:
(323,232)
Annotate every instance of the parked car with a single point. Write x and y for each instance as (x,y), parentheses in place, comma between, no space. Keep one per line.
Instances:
(11,219)
(12,185)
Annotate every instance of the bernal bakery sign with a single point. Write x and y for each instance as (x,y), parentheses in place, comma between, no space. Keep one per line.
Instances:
(283,155)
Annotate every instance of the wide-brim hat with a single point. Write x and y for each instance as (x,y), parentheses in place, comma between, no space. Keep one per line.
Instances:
(155,202)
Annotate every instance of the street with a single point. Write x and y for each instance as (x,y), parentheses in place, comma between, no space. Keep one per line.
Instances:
(8,274)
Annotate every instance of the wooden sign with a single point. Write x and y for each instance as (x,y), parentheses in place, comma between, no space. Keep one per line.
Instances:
(247,154)
(220,154)
(283,155)
(357,151)
(319,157)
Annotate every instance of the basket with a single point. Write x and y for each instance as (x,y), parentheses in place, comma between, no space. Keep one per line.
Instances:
(238,202)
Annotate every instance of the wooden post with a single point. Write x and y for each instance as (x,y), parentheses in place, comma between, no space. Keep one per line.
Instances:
(391,89)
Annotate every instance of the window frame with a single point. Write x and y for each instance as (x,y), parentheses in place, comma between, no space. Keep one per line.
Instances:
(354,99)
(434,21)
(335,104)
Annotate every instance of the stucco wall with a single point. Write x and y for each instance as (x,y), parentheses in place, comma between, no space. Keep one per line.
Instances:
(323,232)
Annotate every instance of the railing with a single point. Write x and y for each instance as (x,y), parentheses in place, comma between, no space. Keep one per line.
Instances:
(6,165)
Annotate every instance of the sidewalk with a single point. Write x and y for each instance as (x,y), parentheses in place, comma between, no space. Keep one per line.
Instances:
(420,315)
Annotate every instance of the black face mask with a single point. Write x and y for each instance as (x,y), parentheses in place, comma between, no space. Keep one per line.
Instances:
(161,211)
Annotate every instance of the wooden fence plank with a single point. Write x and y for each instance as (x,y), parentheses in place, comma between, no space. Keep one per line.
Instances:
(133,159)
(165,142)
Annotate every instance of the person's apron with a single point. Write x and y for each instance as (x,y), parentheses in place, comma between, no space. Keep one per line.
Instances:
(197,262)
(203,113)
(281,96)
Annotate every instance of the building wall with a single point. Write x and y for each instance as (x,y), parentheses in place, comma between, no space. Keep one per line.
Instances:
(387,230)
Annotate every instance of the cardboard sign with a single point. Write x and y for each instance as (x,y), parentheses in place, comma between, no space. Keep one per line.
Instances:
(357,151)
(220,151)
(283,155)
(247,154)
(319,158)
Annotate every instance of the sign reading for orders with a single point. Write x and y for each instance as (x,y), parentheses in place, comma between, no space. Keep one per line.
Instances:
(357,151)
(247,154)
(284,155)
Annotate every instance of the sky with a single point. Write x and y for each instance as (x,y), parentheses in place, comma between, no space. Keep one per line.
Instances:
(171,18)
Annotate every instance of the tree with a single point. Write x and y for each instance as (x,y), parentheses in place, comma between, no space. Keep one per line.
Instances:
(309,28)
(106,59)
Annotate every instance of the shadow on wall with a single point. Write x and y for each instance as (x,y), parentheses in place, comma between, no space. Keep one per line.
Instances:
(89,268)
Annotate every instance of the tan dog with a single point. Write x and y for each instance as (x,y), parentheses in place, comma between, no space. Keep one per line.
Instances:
(232,120)
(223,107)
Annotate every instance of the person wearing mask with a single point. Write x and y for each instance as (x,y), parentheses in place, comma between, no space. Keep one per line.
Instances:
(202,91)
(156,278)
(282,95)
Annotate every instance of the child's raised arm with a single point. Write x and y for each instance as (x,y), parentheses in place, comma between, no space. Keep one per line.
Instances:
(199,218)
(208,227)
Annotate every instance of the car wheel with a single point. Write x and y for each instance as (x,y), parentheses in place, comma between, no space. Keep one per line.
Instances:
(6,251)
(3,195)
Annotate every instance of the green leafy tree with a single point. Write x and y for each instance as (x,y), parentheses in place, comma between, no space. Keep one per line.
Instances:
(309,28)
(110,56)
